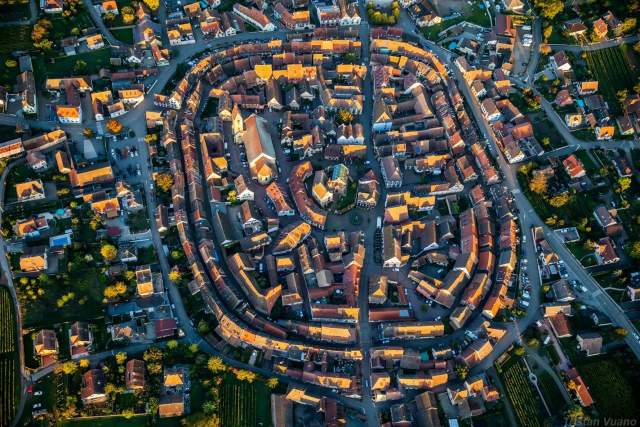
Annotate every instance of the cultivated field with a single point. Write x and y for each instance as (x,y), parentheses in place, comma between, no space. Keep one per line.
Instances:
(243,404)
(612,71)
(9,363)
(524,400)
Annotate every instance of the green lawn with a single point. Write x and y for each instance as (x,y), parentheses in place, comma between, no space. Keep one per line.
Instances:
(62,26)
(431,33)
(114,421)
(62,66)
(552,395)
(613,384)
(543,128)
(125,35)
(477,14)
(590,166)
(611,69)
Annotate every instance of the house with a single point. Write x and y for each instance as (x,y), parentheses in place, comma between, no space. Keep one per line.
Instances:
(172,398)
(278,200)
(391,172)
(94,42)
(45,343)
(243,192)
(573,166)
(515,6)
(604,217)
(93,387)
(180,32)
(368,191)
(52,6)
(259,148)
(249,219)
(588,87)
(30,190)
(13,147)
(605,132)
(614,24)
(574,28)
(319,189)
(34,259)
(254,17)
(31,227)
(109,6)
(600,29)
(590,342)
(563,98)
(560,63)
(134,375)
(80,339)
(580,388)
(573,120)
(490,110)
(37,161)
(165,328)
(26,88)
(391,249)
(605,251)
(144,281)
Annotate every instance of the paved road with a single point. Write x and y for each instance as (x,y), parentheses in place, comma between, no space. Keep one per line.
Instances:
(535,49)
(575,48)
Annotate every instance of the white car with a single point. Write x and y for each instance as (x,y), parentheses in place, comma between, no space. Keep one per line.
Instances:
(37,406)
(38,393)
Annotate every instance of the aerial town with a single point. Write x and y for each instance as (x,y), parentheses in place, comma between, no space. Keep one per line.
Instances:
(319,213)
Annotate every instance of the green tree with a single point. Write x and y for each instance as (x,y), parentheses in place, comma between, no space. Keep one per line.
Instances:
(215,365)
(153,354)
(629,24)
(538,184)
(80,66)
(108,252)
(344,117)
(172,345)
(203,327)
(549,8)
(245,375)
(272,383)
(575,412)
(152,405)
(461,370)
(152,4)
(559,200)
(69,367)
(121,357)
(621,332)
(623,184)
(634,250)
(518,351)
(164,181)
